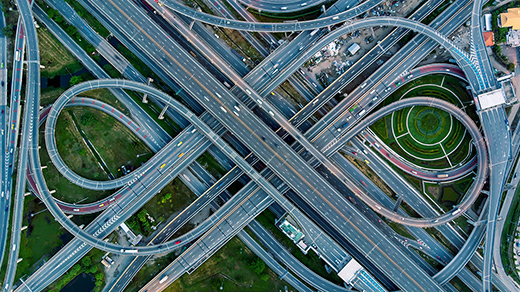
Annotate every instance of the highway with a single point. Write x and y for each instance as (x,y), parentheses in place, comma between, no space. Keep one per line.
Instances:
(28,130)
(499,146)
(4,122)
(142,250)
(174,58)
(272,150)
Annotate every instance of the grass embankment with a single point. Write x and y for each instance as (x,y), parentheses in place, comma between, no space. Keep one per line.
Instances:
(174,197)
(42,238)
(54,56)
(232,269)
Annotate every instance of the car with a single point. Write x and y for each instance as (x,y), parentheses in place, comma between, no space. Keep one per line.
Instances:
(181,155)
(76,210)
(354,152)
(2,111)
(206,98)
(101,205)
(237,107)
(379,220)
(180,143)
(2,83)
(2,194)
(216,35)
(162,165)
(219,96)
(177,242)
(223,109)
(236,113)
(367,162)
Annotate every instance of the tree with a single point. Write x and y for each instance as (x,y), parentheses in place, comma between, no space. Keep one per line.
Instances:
(75,269)
(257,265)
(8,30)
(93,269)
(265,277)
(511,67)
(168,196)
(75,80)
(86,261)
(99,276)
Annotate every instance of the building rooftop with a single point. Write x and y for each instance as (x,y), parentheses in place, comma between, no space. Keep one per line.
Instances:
(511,18)
(513,38)
(489,38)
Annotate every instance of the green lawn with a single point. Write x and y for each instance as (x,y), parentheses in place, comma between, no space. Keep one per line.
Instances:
(116,144)
(230,268)
(77,158)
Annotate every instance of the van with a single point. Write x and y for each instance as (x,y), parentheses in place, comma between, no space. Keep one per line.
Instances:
(303,4)
(271,113)
(284,8)
(275,70)
(259,101)
(335,18)
(223,109)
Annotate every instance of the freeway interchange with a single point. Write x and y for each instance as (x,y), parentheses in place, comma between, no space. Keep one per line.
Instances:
(303,175)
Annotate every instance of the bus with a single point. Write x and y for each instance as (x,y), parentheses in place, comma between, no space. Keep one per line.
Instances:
(17,55)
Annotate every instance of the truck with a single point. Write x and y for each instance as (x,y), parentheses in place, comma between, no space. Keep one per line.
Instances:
(442,175)
(457,211)
(361,113)
(163,279)
(314,31)
(17,55)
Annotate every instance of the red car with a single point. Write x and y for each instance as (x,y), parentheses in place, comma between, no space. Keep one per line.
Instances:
(354,152)
(177,242)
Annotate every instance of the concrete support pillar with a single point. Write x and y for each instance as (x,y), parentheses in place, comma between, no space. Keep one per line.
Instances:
(161,116)
(398,203)
(146,95)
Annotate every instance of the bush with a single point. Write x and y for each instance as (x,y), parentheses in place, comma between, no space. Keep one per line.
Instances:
(75,80)
(510,66)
